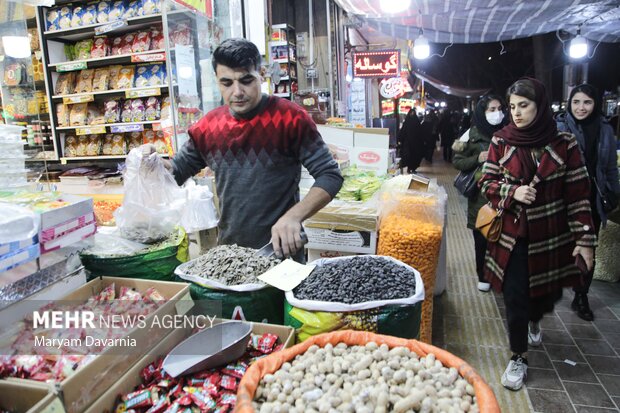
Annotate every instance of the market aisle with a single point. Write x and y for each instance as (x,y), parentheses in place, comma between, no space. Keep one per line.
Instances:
(467,322)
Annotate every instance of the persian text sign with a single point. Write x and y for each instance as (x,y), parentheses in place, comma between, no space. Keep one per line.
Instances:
(383,63)
(387,107)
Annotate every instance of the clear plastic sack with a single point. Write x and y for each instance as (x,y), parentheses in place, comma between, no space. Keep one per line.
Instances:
(17,223)
(199,212)
(153,201)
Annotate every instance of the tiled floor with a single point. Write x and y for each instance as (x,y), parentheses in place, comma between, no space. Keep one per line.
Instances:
(576,370)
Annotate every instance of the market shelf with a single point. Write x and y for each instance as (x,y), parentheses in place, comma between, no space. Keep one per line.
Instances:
(108,60)
(64,160)
(110,92)
(90,29)
(147,122)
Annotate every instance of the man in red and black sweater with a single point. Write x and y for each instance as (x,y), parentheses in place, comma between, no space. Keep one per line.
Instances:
(256,144)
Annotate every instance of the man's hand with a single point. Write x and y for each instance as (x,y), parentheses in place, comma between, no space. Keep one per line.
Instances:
(587,254)
(285,236)
(148,150)
(525,194)
(482,158)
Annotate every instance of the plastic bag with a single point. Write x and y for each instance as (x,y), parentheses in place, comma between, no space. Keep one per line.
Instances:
(17,223)
(153,202)
(199,212)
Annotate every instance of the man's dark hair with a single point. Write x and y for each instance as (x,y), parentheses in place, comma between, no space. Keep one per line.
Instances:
(237,53)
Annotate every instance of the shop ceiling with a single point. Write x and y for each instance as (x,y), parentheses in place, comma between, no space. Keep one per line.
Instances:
(483,21)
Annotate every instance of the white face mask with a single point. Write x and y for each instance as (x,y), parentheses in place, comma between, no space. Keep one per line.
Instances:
(495,118)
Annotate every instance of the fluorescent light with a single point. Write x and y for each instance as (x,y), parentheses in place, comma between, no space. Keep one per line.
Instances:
(421,48)
(16,46)
(394,6)
(578,47)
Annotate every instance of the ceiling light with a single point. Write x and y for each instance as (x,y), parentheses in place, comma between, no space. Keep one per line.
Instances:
(394,6)
(578,47)
(16,46)
(421,48)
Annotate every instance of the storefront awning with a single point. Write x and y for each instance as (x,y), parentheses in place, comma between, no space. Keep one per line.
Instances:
(450,90)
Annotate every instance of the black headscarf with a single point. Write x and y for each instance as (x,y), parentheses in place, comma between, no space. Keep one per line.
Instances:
(591,126)
(479,119)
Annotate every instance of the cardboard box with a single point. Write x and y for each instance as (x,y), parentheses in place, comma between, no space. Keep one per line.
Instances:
(28,398)
(78,391)
(371,159)
(131,379)
(378,138)
(319,254)
(78,207)
(364,242)
(336,136)
(348,216)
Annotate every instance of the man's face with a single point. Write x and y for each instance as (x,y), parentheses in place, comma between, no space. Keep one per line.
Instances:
(239,87)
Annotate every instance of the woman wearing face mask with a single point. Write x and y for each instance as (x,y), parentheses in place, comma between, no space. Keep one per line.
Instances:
(536,176)
(470,152)
(597,143)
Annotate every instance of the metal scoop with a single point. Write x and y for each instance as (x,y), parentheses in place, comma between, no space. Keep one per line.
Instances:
(209,348)
(267,250)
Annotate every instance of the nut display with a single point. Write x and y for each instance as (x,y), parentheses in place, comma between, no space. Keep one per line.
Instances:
(357,280)
(368,378)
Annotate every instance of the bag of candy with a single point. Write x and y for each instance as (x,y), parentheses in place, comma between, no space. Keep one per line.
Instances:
(157,39)
(82,145)
(65,14)
(51,18)
(114,76)
(101,47)
(95,115)
(125,77)
(83,48)
(126,114)
(90,14)
(65,83)
(153,109)
(101,80)
(117,10)
(103,12)
(142,42)
(76,19)
(134,140)
(62,114)
(85,81)
(71,144)
(137,110)
(93,147)
(112,111)
(158,75)
(132,10)
(150,7)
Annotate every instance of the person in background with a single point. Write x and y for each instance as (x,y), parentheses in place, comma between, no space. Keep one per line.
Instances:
(537,177)
(448,128)
(256,144)
(470,152)
(430,134)
(597,144)
(411,142)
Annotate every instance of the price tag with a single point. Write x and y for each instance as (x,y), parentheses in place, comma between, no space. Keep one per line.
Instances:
(71,67)
(132,94)
(91,130)
(110,26)
(153,57)
(78,99)
(127,128)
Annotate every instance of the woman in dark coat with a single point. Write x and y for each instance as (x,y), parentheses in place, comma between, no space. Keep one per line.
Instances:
(536,176)
(597,144)
(411,142)
(470,152)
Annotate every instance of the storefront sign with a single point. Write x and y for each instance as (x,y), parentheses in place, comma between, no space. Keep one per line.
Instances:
(127,128)
(405,105)
(91,130)
(394,87)
(383,63)
(387,107)
(78,99)
(203,6)
(110,26)
(152,57)
(142,93)
(357,114)
(71,67)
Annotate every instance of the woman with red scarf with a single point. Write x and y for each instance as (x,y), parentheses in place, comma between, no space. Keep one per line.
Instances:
(536,175)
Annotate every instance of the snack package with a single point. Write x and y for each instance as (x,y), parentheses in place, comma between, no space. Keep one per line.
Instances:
(76,19)
(71,144)
(158,75)
(160,142)
(83,48)
(134,140)
(93,147)
(14,74)
(112,111)
(82,145)
(150,7)
(62,113)
(137,110)
(65,15)
(142,76)
(103,12)
(69,51)
(85,81)
(148,136)
(117,10)
(95,115)
(157,39)
(133,8)
(51,18)
(114,76)
(142,42)
(165,108)
(153,109)
(65,83)
(101,47)
(126,114)
(181,35)
(115,46)
(118,144)
(125,77)
(106,148)
(78,114)
(101,79)
(127,43)
(90,14)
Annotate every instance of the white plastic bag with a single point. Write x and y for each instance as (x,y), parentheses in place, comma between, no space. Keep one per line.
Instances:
(153,201)
(17,223)
(199,212)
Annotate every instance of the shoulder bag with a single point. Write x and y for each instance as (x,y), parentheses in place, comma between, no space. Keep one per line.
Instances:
(466,184)
(489,222)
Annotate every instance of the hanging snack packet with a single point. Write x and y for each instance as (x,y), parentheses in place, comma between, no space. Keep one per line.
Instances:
(165,108)
(93,148)
(62,114)
(137,110)
(85,81)
(142,76)
(51,18)
(153,109)
(126,114)
(103,12)
(71,144)
(101,47)
(90,14)
(134,140)
(64,17)
(142,42)
(157,39)
(79,113)
(76,19)
(101,79)
(95,115)
(65,83)
(132,9)
(158,75)
(127,43)
(112,111)
(83,48)
(117,10)
(125,77)
(160,143)
(114,76)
